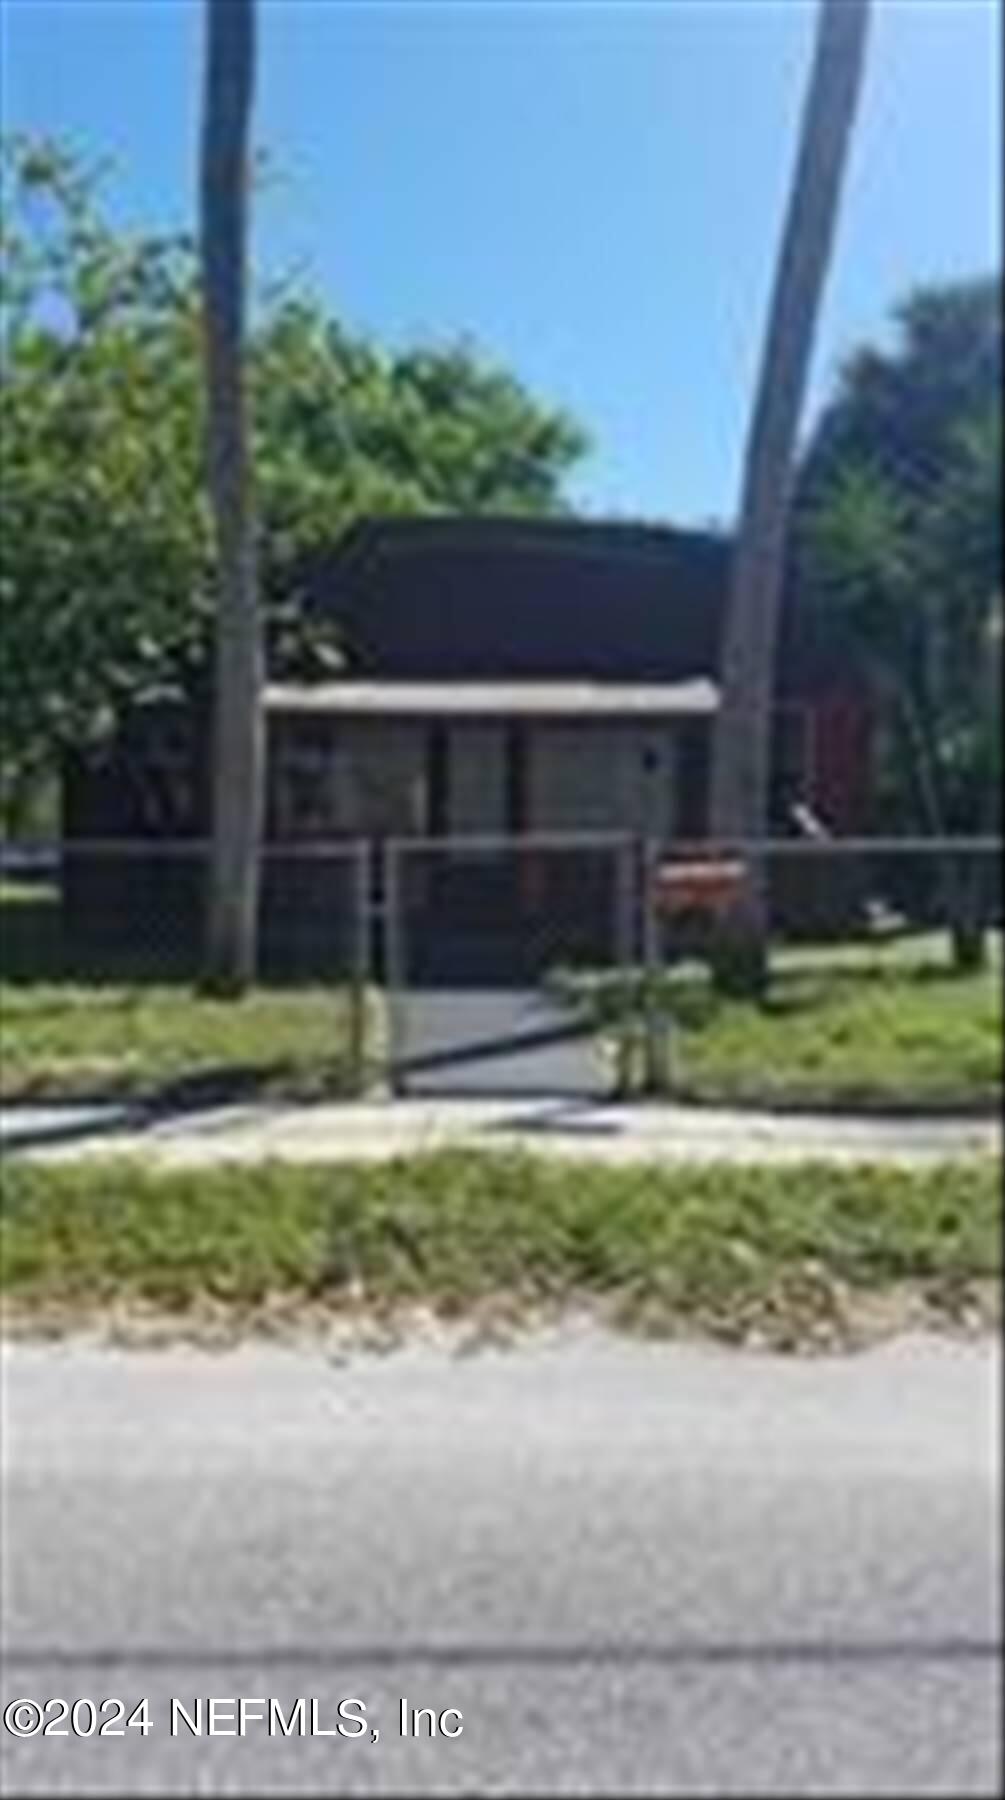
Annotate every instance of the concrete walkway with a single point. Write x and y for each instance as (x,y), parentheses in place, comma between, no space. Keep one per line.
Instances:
(378,1130)
(476,1043)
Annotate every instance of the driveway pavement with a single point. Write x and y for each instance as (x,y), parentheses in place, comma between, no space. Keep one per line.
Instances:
(494,1041)
(631,1568)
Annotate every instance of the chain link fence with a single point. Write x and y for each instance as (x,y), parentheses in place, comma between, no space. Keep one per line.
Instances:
(129,914)
(588,963)
(881,981)
(482,937)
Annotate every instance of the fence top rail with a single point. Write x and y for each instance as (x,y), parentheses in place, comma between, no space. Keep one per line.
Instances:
(12,859)
(708,849)
(353,849)
(513,841)
(27,857)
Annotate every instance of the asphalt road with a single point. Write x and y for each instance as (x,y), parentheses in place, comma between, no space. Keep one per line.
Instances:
(632,1568)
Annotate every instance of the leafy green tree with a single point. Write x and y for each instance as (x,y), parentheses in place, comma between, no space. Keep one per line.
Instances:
(896,409)
(108,576)
(104,557)
(900,527)
(345,429)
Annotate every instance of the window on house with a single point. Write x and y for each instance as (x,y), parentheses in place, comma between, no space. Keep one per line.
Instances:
(302,781)
(164,786)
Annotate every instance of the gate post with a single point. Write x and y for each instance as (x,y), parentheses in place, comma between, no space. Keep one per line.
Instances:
(359,987)
(656,1076)
(394,960)
(625,953)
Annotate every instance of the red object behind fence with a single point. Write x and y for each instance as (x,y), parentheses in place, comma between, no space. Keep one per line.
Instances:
(709,886)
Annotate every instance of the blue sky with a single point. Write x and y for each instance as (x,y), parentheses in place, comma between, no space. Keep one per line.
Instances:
(592,192)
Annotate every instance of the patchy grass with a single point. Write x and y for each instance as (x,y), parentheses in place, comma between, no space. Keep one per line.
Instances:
(75,1040)
(870,1026)
(110,1027)
(791,1258)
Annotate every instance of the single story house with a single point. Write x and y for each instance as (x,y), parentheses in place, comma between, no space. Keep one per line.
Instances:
(503,677)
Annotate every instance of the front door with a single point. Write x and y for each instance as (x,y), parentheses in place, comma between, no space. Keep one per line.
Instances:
(476,780)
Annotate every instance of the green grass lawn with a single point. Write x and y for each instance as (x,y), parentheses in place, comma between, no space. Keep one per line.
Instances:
(74,1040)
(789,1257)
(879,1025)
(856,1025)
(75,1031)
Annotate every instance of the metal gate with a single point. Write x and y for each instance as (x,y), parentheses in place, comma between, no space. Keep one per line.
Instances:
(492,948)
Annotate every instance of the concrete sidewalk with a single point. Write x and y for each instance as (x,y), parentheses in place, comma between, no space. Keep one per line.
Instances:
(378,1130)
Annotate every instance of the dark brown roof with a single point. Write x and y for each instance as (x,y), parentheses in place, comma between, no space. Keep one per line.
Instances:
(520,599)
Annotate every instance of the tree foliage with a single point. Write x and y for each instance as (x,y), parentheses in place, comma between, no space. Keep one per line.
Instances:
(108,578)
(104,532)
(897,409)
(900,526)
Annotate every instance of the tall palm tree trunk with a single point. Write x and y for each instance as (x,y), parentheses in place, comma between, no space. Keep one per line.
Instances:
(238,730)
(742,751)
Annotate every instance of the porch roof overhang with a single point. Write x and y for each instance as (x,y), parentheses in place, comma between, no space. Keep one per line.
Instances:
(696,698)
